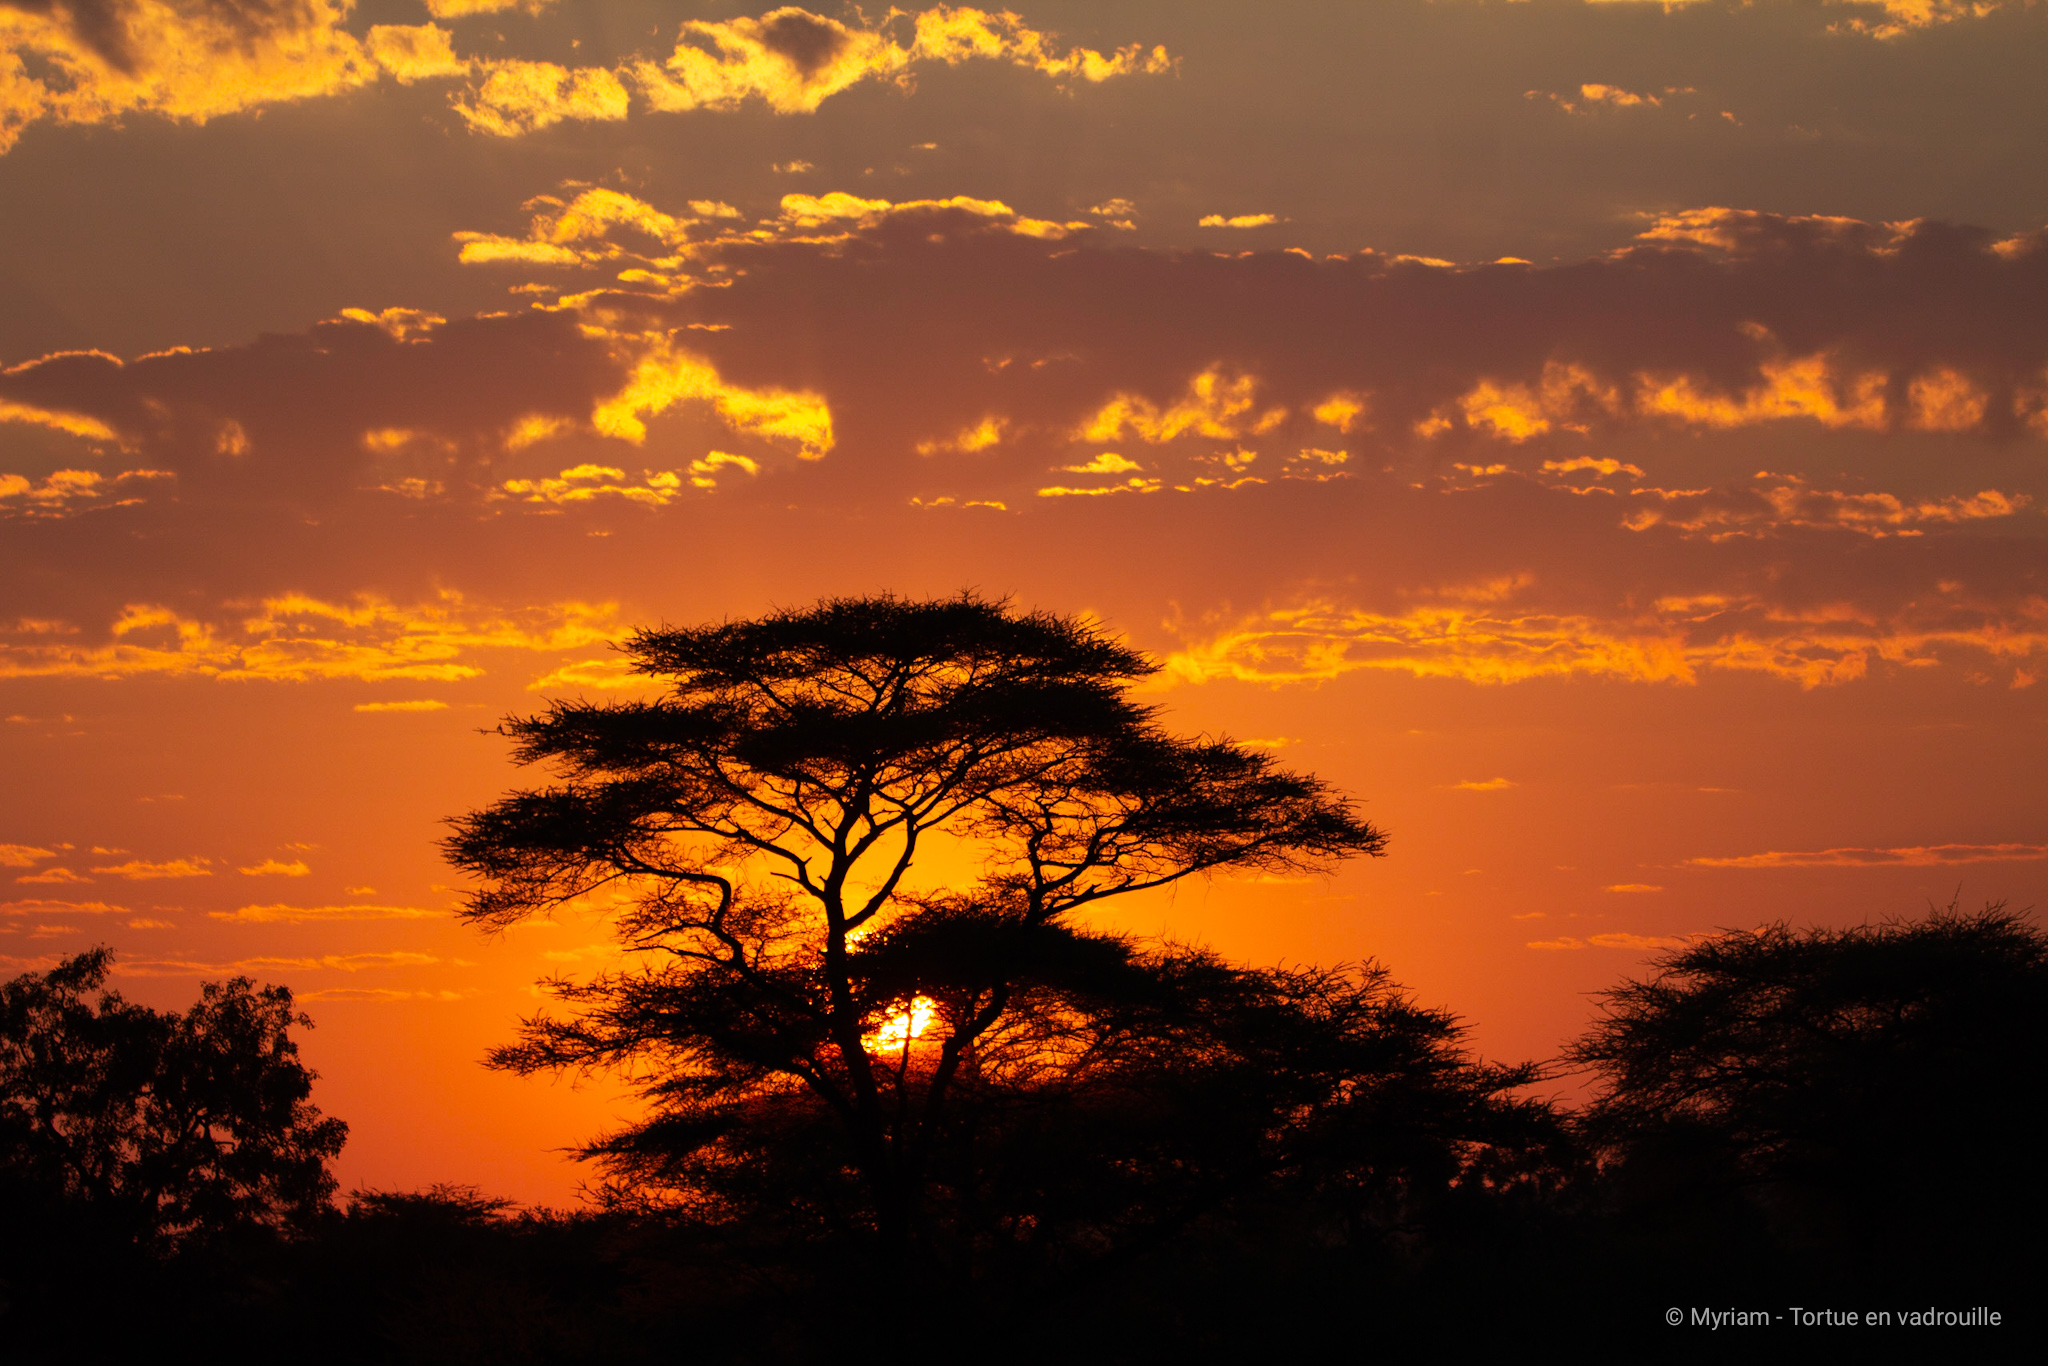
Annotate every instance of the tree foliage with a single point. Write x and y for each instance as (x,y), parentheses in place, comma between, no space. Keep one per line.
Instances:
(1862,1091)
(758,825)
(156,1128)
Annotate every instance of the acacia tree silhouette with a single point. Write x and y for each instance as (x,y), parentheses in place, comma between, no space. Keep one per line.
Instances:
(1860,1095)
(761,821)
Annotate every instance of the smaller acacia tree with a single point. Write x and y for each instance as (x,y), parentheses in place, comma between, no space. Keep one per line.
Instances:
(156,1129)
(1863,1095)
(763,817)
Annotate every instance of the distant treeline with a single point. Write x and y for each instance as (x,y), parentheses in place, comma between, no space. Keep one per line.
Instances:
(1224,1161)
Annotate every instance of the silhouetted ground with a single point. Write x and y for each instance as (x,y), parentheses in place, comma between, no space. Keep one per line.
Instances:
(1834,1122)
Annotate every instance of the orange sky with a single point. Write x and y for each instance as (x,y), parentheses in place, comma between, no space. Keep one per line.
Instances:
(1607,439)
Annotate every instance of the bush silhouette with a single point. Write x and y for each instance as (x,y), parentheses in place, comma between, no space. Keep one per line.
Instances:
(131,1136)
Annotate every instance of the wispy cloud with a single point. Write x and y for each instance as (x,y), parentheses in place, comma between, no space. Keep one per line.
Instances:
(281,914)
(1906,856)
(332,962)
(296,638)
(54,876)
(38,906)
(376,994)
(142,870)
(271,867)
(789,60)
(1672,640)
(1611,940)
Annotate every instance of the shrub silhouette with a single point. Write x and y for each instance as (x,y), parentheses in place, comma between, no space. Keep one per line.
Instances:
(155,1126)
(131,1138)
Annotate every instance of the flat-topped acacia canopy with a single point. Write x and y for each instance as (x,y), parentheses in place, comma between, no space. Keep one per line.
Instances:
(765,811)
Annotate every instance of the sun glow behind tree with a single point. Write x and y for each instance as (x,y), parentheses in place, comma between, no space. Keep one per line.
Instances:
(762,818)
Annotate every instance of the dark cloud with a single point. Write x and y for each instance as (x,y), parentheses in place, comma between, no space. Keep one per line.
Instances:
(1257,416)
(810,43)
(103,27)
(919,325)
(287,416)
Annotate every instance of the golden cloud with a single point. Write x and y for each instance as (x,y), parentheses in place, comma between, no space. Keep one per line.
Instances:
(1341,410)
(810,212)
(1594,96)
(1518,412)
(1308,458)
(1613,939)
(54,877)
(271,867)
(1911,856)
(349,962)
(535,428)
(662,376)
(1817,387)
(1600,467)
(1674,641)
(1945,400)
(1791,387)
(37,906)
(583,232)
(400,324)
(789,59)
(947,500)
(606,675)
(66,492)
(296,638)
(414,705)
(375,994)
(984,434)
(1904,16)
(332,962)
(595,212)
(190,63)
(414,52)
(1215,405)
(23,855)
(307,915)
(957,34)
(588,483)
(1743,230)
(1774,503)
(139,870)
(1109,462)
(75,424)
(1616,96)
(483,249)
(460,9)
(519,97)
(704,473)
(793,60)
(1135,484)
